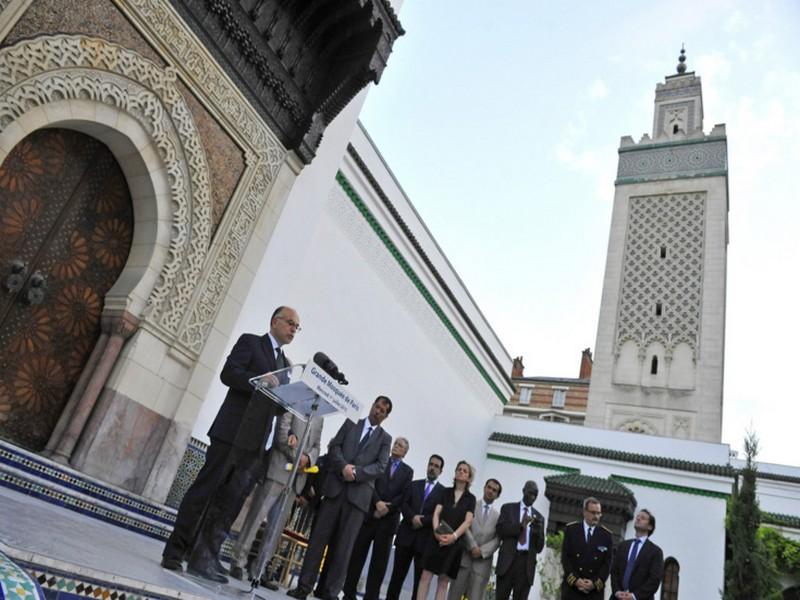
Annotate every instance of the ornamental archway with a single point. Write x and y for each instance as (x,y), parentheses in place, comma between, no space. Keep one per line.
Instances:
(66,224)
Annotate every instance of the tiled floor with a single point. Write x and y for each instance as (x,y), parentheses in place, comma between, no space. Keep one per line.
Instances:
(74,556)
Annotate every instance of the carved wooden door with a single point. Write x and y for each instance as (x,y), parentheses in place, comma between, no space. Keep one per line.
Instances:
(66,224)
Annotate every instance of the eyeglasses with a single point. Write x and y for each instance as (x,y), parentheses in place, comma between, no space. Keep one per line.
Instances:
(597,513)
(290,323)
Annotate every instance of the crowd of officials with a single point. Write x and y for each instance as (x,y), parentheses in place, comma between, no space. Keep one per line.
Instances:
(367,499)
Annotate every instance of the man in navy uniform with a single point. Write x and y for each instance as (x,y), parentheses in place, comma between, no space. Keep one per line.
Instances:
(586,555)
(638,566)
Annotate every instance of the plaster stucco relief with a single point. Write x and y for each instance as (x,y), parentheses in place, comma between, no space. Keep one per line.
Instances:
(54,68)
(264,155)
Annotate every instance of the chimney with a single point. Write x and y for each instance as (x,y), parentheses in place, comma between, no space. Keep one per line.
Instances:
(517,368)
(586,364)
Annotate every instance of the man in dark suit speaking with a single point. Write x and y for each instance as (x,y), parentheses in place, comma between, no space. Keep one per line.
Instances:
(252,355)
(520,528)
(357,456)
(638,565)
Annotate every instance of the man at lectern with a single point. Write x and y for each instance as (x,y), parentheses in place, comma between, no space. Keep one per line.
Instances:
(216,490)
(357,456)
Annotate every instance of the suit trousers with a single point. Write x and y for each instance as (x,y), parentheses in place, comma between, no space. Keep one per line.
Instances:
(403,555)
(515,580)
(196,500)
(246,469)
(379,533)
(469,583)
(263,498)
(340,521)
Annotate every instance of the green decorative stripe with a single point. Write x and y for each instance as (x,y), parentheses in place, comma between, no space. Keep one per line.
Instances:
(532,463)
(618,455)
(769,518)
(681,489)
(640,146)
(670,177)
(406,267)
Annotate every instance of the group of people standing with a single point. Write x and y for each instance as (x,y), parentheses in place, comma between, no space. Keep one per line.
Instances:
(369,499)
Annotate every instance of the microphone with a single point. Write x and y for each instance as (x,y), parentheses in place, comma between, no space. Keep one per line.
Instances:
(327,365)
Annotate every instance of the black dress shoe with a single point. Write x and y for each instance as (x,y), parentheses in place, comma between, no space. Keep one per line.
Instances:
(299,592)
(173,564)
(270,585)
(236,572)
(219,567)
(207,572)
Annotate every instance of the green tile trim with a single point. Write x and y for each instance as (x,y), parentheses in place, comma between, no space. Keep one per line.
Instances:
(671,177)
(681,489)
(769,518)
(406,267)
(651,146)
(531,463)
(610,454)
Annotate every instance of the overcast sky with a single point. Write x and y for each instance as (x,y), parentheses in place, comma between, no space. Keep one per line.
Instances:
(502,120)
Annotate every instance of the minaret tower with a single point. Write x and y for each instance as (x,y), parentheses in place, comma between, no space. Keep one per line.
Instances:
(659,355)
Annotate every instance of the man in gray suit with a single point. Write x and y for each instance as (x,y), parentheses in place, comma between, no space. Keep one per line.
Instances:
(480,542)
(357,456)
(288,432)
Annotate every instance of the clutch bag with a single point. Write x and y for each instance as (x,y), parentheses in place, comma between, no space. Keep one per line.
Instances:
(444,528)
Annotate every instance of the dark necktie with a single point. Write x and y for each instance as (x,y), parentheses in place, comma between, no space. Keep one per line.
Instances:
(626,577)
(393,468)
(428,487)
(280,359)
(589,532)
(365,439)
(523,535)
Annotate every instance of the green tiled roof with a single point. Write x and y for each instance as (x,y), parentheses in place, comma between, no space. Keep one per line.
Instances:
(597,485)
(777,477)
(618,455)
(779,519)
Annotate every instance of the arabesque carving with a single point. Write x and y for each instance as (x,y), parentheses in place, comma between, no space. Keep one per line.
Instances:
(48,69)
(662,274)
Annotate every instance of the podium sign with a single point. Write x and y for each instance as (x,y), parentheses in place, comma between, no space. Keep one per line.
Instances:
(299,387)
(322,384)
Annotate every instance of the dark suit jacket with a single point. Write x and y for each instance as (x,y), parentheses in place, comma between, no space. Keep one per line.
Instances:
(370,463)
(393,490)
(592,561)
(648,570)
(252,355)
(407,536)
(509,527)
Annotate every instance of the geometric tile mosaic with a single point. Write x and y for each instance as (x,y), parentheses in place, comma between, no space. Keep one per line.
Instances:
(48,470)
(47,480)
(15,583)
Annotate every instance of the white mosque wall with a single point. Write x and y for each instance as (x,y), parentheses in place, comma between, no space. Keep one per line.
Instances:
(358,305)
(689,506)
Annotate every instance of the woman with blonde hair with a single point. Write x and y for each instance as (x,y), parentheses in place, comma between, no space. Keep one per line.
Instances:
(451,519)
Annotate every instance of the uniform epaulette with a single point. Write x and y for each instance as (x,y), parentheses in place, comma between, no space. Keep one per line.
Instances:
(606,528)
(573,523)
